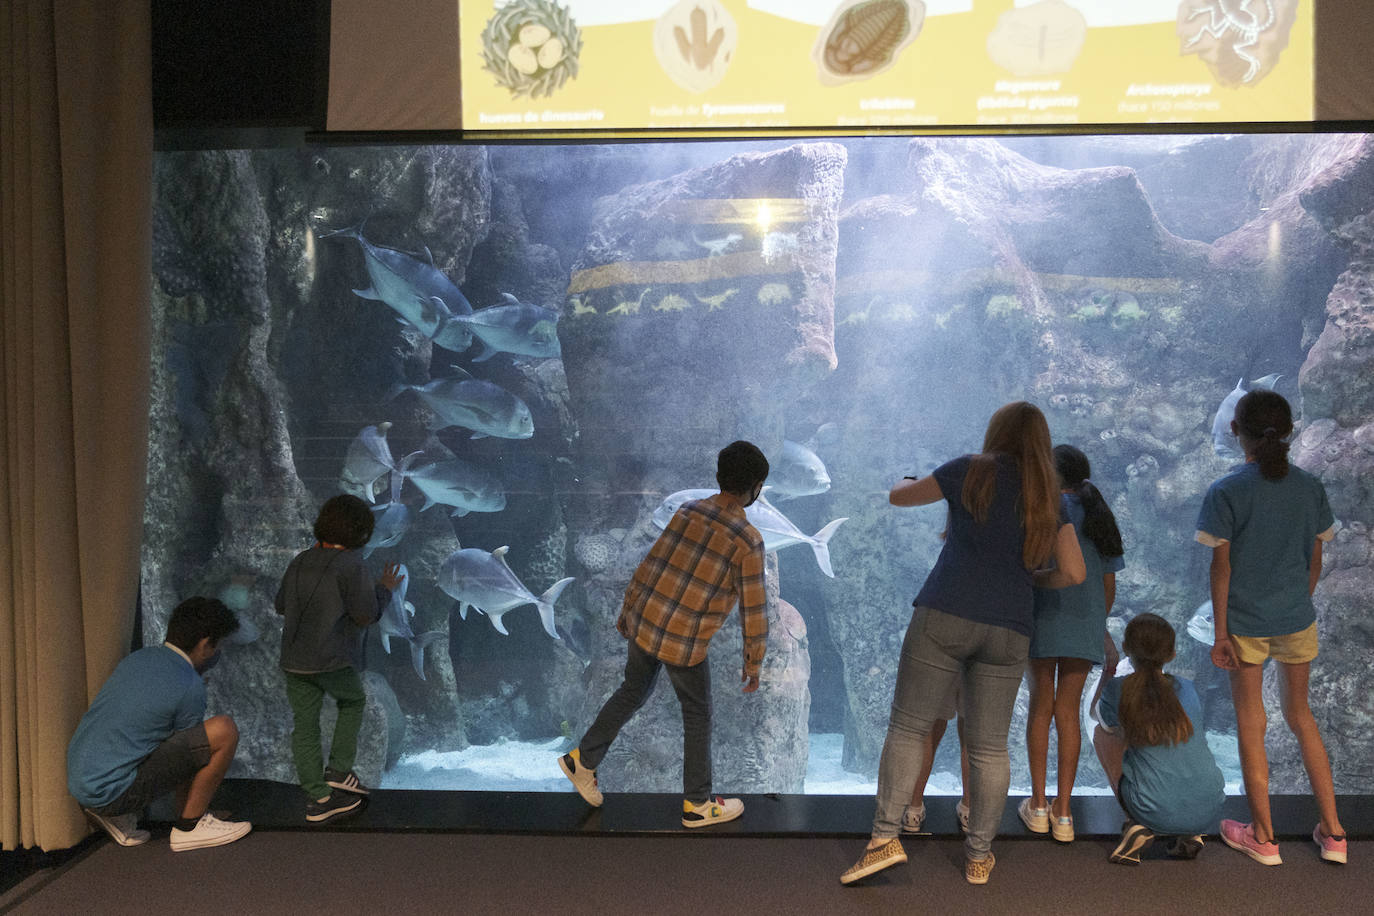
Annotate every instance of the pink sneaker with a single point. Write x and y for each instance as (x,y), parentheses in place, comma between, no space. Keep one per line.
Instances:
(1241,837)
(1333,848)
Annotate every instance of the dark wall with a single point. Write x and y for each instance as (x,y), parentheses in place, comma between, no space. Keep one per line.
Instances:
(240,64)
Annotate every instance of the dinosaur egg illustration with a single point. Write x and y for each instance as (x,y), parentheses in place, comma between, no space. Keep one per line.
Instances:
(865,37)
(1039,39)
(694,43)
(531,47)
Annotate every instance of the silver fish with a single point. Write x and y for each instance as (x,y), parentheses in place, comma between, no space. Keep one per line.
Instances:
(367,460)
(1224,442)
(1201,626)
(777,530)
(484,408)
(516,327)
(457,483)
(481,579)
(391,521)
(395,622)
(419,292)
(798,471)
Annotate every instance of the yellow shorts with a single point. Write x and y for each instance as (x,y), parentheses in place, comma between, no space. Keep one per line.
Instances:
(1293,648)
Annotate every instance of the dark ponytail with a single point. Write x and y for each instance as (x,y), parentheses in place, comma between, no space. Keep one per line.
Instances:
(1099,524)
(1264,421)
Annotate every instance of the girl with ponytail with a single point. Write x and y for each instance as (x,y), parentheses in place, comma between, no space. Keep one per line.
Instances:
(1266,521)
(1070,636)
(1158,763)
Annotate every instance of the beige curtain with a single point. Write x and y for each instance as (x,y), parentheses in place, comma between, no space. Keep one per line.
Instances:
(75,230)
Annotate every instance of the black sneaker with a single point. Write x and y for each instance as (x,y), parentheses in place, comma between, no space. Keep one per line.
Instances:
(1134,838)
(348,782)
(332,805)
(1186,847)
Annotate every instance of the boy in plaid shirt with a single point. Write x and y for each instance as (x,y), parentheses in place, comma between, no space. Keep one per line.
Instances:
(707,559)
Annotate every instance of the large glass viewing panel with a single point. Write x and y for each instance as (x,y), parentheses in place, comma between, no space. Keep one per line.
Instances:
(522,352)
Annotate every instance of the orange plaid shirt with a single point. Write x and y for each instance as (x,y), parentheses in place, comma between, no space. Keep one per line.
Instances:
(707,558)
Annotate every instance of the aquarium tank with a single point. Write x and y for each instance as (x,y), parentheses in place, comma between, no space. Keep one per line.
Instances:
(520,354)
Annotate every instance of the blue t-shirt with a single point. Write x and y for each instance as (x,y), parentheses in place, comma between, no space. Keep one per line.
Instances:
(1271,525)
(979,575)
(1069,622)
(1170,788)
(152,693)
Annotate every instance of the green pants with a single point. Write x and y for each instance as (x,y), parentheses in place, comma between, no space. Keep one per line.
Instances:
(305,693)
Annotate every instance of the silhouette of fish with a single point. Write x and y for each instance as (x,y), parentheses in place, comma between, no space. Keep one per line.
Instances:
(481,579)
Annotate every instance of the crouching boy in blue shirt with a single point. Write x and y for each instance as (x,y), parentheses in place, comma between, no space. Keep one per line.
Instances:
(145,735)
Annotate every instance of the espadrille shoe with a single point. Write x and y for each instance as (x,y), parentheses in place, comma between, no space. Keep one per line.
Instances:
(875,860)
(976,871)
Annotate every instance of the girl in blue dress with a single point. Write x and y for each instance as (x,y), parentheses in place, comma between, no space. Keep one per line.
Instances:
(1070,636)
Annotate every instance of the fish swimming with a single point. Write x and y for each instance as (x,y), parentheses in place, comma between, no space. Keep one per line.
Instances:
(516,327)
(391,522)
(798,471)
(481,579)
(484,408)
(395,622)
(457,483)
(367,459)
(1201,625)
(777,530)
(419,292)
(1224,442)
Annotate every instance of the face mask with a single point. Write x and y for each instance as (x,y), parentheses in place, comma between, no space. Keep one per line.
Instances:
(210,662)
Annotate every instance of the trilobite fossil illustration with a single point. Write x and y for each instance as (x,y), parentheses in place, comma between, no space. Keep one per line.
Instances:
(865,37)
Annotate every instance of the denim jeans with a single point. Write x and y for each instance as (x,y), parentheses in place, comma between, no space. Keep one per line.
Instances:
(938,651)
(693,687)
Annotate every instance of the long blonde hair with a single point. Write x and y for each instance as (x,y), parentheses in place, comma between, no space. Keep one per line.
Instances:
(1019,430)
(1150,711)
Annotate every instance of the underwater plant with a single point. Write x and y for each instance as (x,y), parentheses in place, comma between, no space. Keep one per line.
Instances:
(531,46)
(1003,306)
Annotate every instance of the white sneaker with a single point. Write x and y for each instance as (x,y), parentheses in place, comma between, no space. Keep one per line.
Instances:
(961,811)
(582,778)
(711,811)
(209,831)
(912,818)
(1037,820)
(122,828)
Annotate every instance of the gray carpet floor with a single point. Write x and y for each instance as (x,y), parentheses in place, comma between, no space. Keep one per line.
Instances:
(381,874)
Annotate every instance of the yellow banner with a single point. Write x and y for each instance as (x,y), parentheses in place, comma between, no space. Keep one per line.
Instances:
(542,65)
